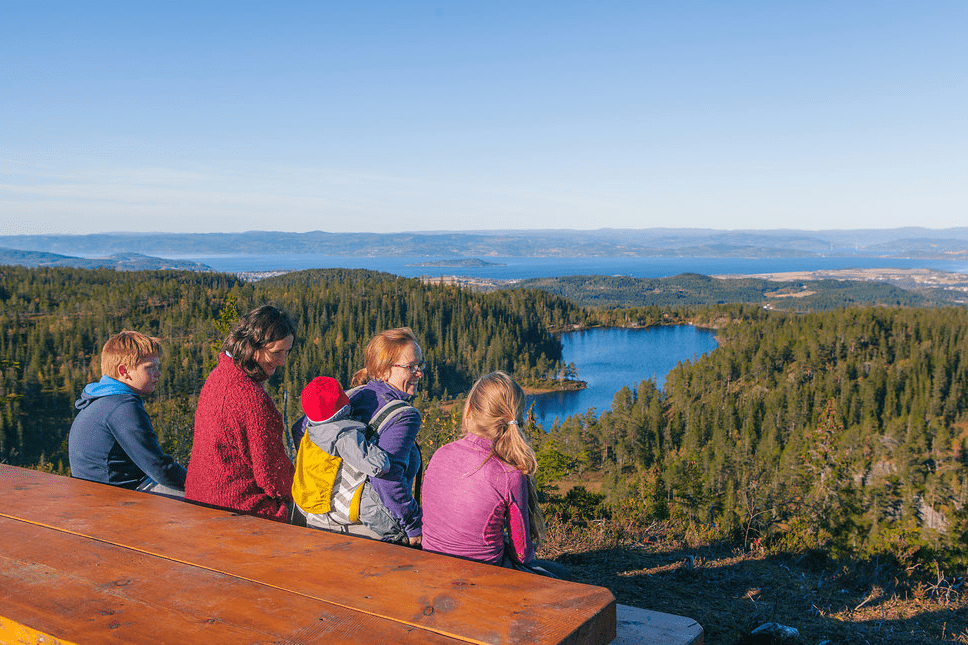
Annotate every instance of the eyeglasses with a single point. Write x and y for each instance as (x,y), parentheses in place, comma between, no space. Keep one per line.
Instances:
(413,368)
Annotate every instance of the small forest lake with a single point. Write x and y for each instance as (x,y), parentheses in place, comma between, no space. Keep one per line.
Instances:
(609,359)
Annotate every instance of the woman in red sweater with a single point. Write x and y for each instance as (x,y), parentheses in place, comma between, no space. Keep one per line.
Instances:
(238,460)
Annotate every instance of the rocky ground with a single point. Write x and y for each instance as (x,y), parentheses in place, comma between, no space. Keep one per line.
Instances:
(731,593)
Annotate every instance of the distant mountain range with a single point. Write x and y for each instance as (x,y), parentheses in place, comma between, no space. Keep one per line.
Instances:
(118,261)
(911,242)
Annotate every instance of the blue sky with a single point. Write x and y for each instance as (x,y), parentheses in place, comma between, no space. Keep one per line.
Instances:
(209,115)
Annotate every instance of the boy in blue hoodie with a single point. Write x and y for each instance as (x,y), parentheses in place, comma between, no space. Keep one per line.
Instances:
(112,440)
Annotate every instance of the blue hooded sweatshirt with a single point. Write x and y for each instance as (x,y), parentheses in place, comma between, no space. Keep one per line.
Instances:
(112,440)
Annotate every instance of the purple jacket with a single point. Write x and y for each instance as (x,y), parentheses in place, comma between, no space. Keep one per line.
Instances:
(467,498)
(399,440)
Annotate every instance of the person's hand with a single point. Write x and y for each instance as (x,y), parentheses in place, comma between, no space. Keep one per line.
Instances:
(415,540)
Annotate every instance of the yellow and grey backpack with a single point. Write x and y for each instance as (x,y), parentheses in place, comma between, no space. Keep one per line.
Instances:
(324,483)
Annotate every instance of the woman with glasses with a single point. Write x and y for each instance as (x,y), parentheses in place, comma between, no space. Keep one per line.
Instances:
(394,365)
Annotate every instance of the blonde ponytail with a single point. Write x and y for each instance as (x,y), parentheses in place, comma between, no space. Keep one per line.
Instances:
(494,410)
(535,515)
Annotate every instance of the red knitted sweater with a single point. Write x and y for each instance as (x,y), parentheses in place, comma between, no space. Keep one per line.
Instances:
(238,460)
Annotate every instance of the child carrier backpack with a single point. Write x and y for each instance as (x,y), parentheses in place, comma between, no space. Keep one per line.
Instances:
(324,483)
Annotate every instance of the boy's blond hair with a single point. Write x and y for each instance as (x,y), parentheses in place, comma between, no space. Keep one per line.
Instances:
(127,348)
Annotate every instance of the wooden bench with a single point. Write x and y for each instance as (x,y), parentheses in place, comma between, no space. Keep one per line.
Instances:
(82,562)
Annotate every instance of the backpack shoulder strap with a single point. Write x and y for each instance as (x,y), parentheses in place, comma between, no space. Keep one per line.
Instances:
(386,414)
(382,419)
(383,415)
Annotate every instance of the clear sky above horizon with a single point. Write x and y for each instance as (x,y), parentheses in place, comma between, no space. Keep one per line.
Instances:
(223,116)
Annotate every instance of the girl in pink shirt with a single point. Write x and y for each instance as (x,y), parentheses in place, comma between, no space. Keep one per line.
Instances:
(478,494)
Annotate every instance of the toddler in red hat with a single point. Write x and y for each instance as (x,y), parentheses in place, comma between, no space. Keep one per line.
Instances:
(322,399)
(336,455)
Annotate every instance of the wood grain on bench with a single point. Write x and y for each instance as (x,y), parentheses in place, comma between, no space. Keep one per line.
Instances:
(87,562)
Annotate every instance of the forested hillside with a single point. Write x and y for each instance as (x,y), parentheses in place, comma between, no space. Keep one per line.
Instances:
(691,289)
(846,431)
(53,322)
(119,261)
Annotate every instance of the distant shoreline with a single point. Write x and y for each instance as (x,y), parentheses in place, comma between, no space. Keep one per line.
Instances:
(458,263)
(563,386)
(900,277)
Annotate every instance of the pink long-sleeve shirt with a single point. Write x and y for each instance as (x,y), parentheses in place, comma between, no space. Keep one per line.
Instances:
(466,500)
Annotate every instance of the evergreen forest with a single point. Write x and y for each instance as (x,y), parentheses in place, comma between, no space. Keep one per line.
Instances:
(843,430)
(53,322)
(692,289)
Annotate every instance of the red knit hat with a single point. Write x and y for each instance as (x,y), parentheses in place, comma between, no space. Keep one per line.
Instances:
(323,398)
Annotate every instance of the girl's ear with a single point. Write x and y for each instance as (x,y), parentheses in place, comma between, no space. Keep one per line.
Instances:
(122,370)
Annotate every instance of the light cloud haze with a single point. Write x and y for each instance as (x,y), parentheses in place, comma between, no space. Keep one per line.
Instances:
(190,116)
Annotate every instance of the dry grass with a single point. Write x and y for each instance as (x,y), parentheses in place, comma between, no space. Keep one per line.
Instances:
(731,592)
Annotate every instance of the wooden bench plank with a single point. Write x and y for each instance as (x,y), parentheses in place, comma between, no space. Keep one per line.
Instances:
(448,596)
(95,591)
(14,632)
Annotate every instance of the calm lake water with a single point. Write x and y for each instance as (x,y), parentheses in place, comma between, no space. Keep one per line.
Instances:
(517,268)
(610,359)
